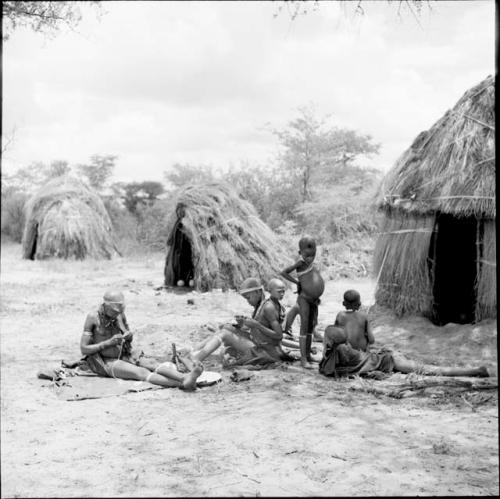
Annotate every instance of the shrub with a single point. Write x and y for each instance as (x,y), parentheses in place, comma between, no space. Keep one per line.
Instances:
(13,216)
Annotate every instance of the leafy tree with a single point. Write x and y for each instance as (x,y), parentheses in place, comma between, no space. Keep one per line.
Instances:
(31,177)
(44,17)
(183,174)
(135,194)
(99,171)
(314,153)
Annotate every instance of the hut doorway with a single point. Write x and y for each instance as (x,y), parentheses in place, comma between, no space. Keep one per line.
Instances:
(454,256)
(182,258)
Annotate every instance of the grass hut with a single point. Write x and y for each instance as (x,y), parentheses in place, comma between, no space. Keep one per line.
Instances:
(436,253)
(217,240)
(65,219)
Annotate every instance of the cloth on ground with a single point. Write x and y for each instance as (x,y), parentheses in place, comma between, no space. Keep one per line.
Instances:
(80,383)
(343,360)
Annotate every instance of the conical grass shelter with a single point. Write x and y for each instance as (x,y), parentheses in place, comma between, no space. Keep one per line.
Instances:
(436,253)
(65,219)
(216,240)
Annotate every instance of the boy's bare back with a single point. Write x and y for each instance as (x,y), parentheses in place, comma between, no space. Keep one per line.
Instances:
(357,328)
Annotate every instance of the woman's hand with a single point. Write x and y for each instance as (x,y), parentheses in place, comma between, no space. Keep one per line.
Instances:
(128,336)
(113,341)
(249,322)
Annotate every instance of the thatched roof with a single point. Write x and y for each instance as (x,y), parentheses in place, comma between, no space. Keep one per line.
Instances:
(451,167)
(65,219)
(229,242)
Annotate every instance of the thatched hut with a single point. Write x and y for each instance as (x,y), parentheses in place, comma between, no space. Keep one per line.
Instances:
(216,240)
(436,253)
(65,219)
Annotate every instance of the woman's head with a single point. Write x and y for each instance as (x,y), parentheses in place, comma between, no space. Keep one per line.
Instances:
(114,303)
(251,289)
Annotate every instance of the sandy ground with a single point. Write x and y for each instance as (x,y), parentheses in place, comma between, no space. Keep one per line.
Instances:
(285,432)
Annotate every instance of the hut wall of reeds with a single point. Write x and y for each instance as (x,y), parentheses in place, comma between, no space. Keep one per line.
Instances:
(217,240)
(436,252)
(65,219)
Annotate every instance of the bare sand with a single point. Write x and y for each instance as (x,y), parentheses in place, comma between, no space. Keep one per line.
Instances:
(285,432)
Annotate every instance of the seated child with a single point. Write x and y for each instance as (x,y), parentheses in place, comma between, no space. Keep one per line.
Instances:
(341,357)
(354,322)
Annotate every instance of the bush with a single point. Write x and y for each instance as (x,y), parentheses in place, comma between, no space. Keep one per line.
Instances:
(152,226)
(13,217)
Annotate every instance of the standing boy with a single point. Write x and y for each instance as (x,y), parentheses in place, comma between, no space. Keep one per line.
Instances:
(310,287)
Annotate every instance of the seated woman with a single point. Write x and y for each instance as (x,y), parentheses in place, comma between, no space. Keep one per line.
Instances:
(256,339)
(107,344)
(341,358)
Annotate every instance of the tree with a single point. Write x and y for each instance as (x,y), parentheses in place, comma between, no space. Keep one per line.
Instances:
(44,17)
(296,8)
(99,171)
(183,174)
(314,153)
(134,194)
(31,177)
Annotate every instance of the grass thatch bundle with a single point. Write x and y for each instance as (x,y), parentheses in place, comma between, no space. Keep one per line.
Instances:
(65,219)
(439,200)
(451,167)
(486,305)
(403,279)
(217,240)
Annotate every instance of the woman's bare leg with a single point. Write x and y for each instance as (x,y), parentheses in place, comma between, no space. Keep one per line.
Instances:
(125,370)
(404,365)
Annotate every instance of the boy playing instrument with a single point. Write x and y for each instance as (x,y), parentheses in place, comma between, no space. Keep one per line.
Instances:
(310,287)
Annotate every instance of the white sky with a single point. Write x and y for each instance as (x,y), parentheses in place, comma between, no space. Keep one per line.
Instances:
(195,82)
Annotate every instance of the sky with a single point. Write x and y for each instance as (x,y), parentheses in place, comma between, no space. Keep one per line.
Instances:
(159,83)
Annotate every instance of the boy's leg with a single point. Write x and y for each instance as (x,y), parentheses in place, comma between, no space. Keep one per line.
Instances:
(313,319)
(304,311)
(290,317)
(404,365)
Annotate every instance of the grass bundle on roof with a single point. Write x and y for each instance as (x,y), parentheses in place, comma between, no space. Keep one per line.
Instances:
(217,239)
(65,219)
(451,167)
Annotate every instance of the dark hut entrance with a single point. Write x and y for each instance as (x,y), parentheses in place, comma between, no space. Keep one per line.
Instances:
(181,258)
(454,256)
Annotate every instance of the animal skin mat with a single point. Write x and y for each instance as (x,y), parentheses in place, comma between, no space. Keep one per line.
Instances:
(69,384)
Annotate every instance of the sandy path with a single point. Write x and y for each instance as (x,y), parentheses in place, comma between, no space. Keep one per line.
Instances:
(283,433)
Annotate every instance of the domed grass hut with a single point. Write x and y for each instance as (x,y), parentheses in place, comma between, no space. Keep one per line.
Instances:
(436,253)
(217,240)
(65,219)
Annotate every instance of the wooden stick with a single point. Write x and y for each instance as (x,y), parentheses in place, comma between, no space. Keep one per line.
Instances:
(480,122)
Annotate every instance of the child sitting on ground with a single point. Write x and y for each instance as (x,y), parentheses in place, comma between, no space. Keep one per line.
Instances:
(310,287)
(346,349)
(354,322)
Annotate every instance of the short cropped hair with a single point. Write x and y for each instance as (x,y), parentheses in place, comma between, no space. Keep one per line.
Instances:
(307,242)
(352,297)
